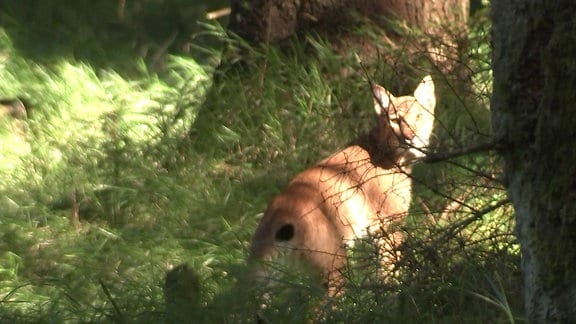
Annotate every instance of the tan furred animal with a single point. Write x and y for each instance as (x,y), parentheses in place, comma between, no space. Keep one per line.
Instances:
(359,190)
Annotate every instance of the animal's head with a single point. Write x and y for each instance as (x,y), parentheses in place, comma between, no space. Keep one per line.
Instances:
(410,117)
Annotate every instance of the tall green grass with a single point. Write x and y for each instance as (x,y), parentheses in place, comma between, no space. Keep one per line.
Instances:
(97,144)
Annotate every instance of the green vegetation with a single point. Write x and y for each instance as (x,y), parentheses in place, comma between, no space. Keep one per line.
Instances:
(133,160)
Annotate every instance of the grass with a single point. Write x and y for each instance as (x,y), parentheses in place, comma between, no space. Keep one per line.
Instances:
(162,164)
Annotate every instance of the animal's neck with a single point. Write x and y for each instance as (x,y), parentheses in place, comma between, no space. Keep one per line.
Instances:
(384,147)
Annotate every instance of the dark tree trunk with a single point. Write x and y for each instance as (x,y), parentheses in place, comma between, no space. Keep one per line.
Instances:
(275,20)
(534,113)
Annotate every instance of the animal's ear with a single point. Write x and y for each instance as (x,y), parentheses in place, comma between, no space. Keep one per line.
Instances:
(424,93)
(381,99)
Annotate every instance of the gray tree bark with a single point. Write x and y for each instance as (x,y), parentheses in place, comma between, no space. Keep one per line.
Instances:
(534,118)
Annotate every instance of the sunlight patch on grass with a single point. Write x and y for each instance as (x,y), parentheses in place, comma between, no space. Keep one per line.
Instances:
(76,109)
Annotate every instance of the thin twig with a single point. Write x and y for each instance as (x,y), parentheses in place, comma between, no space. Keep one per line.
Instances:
(476,215)
(6,297)
(218,13)
(119,317)
(365,70)
(471,149)
(453,206)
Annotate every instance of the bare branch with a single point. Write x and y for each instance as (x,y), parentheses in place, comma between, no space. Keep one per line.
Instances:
(471,149)
(476,215)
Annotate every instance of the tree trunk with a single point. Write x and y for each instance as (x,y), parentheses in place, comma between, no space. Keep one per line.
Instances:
(273,20)
(534,113)
(276,20)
